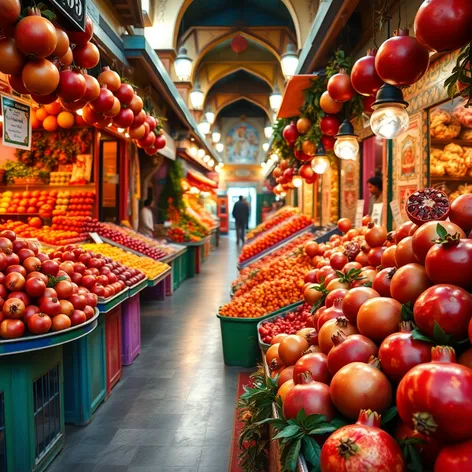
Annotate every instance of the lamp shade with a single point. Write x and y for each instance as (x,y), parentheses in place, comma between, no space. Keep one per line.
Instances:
(220,147)
(265,147)
(197,98)
(204,127)
(215,136)
(210,116)
(289,61)
(268,131)
(346,145)
(275,99)
(183,65)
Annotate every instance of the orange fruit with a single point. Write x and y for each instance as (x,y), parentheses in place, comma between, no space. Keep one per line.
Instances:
(53,108)
(41,114)
(65,119)
(50,123)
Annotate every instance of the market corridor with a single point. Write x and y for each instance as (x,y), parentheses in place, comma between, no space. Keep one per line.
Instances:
(173,409)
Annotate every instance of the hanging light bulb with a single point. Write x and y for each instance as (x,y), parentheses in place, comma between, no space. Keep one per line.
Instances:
(346,145)
(215,136)
(220,147)
(210,116)
(206,158)
(265,147)
(274,157)
(320,162)
(80,111)
(120,130)
(201,153)
(283,194)
(211,163)
(193,151)
(197,98)
(289,61)
(268,131)
(390,118)
(263,165)
(297,181)
(204,127)
(275,99)
(183,65)
(222,164)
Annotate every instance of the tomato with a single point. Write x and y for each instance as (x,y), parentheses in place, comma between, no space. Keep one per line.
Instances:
(39,323)
(11,329)
(434,398)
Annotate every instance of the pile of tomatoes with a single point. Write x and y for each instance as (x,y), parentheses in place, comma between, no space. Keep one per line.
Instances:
(279,217)
(274,236)
(391,326)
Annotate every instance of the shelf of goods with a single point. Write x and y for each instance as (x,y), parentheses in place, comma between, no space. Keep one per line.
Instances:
(196,255)
(277,218)
(451,148)
(265,289)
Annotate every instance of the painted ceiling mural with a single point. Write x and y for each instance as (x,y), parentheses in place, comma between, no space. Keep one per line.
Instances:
(242,144)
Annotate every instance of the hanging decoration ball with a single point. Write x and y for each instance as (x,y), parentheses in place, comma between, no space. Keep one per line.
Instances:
(401,60)
(328,142)
(364,77)
(309,148)
(277,172)
(301,156)
(328,105)
(306,172)
(288,175)
(290,134)
(444,25)
(239,44)
(283,164)
(329,125)
(303,125)
(367,102)
(340,87)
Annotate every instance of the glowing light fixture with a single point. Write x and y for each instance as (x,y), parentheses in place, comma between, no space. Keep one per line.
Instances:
(183,65)
(274,157)
(297,181)
(268,131)
(201,153)
(211,163)
(265,147)
(204,127)
(289,61)
(120,130)
(215,136)
(346,145)
(275,99)
(390,118)
(80,112)
(206,158)
(320,163)
(197,98)
(220,147)
(210,116)
(193,151)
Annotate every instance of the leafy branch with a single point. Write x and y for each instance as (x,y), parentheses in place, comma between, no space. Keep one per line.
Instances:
(461,73)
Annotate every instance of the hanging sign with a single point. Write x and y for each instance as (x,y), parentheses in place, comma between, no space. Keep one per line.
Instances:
(359,213)
(71,10)
(16,123)
(377,213)
(396,212)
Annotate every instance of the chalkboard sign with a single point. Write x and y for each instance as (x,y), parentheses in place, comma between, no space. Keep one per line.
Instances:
(73,11)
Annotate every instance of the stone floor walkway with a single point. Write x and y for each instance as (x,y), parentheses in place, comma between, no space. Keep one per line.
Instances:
(173,409)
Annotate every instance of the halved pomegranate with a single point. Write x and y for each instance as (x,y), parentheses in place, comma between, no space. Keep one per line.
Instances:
(426,205)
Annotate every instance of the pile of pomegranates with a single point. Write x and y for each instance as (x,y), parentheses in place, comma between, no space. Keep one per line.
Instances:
(41,293)
(391,325)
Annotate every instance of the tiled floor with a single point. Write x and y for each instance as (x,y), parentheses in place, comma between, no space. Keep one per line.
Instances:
(173,409)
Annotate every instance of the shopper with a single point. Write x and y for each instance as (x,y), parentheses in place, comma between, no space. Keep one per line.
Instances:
(241,216)
(146,222)
(374,184)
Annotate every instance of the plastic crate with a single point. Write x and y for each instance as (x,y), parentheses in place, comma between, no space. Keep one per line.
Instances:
(113,347)
(240,338)
(280,313)
(131,330)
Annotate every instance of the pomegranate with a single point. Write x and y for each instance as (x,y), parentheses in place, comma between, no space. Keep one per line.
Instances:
(40,77)
(110,79)
(329,126)
(11,60)
(72,85)
(401,60)
(383,282)
(358,386)
(313,397)
(455,457)
(461,211)
(447,306)
(329,105)
(403,231)
(290,134)
(86,56)
(399,352)
(354,299)
(362,447)
(348,349)
(292,348)
(427,205)
(330,328)
(10,12)
(404,253)
(81,37)
(340,88)
(434,398)
(409,282)
(316,364)
(364,77)
(104,102)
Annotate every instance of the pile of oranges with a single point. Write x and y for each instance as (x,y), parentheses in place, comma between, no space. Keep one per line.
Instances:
(274,236)
(279,217)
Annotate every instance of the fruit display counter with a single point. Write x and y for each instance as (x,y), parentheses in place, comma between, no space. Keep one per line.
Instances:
(277,218)
(385,314)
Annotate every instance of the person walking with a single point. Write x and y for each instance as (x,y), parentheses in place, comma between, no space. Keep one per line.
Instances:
(146,222)
(241,216)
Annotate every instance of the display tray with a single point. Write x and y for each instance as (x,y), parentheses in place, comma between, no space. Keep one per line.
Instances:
(273,248)
(196,243)
(132,251)
(107,304)
(136,288)
(173,256)
(159,278)
(280,313)
(51,339)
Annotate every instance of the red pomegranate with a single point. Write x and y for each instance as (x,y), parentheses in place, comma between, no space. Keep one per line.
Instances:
(364,77)
(340,87)
(401,60)
(290,134)
(329,125)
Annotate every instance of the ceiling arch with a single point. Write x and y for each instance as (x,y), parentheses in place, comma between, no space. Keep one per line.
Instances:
(229,100)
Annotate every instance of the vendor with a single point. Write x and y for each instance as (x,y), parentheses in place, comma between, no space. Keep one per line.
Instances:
(146,222)
(374,184)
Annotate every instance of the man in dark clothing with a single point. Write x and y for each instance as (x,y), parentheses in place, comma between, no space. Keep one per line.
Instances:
(241,215)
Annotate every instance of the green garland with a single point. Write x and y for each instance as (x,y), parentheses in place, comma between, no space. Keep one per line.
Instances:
(311,108)
(172,194)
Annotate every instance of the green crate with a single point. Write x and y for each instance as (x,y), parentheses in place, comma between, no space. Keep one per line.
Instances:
(240,338)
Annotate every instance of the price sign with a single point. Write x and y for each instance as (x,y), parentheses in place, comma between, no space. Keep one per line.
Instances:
(377,213)
(96,238)
(16,123)
(167,224)
(359,213)
(72,10)
(396,212)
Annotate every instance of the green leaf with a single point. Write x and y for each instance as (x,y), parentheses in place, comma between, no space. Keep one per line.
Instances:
(415,463)
(440,336)
(311,451)
(301,417)
(277,423)
(314,420)
(288,432)
(441,231)
(389,415)
(291,457)
(323,429)
(419,336)
(407,312)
